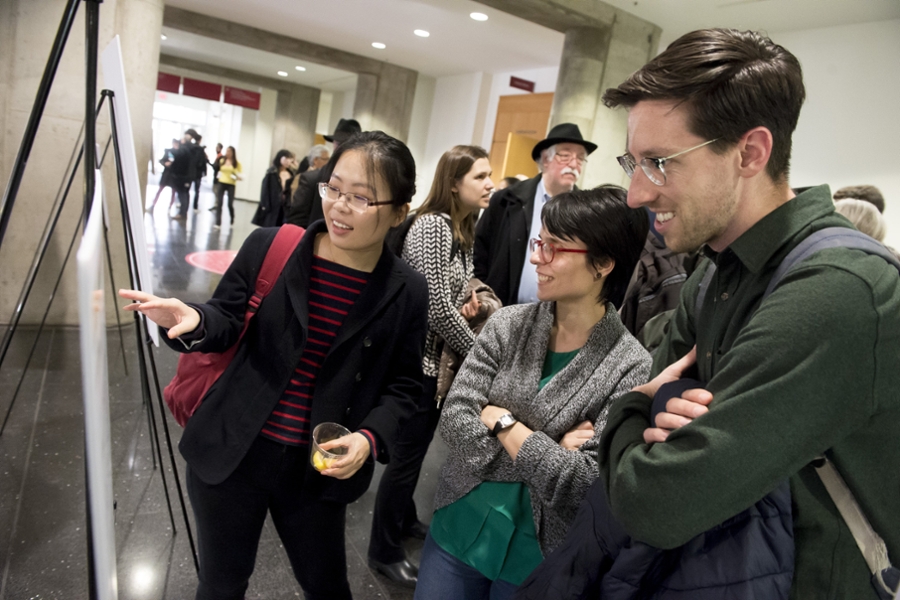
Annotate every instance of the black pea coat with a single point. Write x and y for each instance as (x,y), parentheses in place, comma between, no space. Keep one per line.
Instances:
(270,212)
(370,379)
(306,203)
(501,239)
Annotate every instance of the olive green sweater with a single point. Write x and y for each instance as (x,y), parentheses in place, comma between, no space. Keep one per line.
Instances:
(816,368)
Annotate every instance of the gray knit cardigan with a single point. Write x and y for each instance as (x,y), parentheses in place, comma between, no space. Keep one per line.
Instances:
(504,369)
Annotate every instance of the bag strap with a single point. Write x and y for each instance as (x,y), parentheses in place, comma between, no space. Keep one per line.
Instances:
(454,247)
(286,241)
(870,544)
(830,237)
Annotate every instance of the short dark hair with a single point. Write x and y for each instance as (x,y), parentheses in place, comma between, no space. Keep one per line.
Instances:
(730,81)
(869,193)
(602,219)
(385,156)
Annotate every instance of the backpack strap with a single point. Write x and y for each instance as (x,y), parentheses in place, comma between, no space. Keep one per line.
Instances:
(830,237)
(286,241)
(873,548)
(870,544)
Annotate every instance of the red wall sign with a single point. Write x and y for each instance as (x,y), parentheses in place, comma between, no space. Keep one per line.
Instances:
(201,89)
(240,97)
(522,84)
(168,83)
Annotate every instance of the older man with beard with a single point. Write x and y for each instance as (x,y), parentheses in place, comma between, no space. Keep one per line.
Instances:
(514,215)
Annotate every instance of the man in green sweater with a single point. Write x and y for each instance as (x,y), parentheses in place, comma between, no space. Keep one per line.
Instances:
(814,368)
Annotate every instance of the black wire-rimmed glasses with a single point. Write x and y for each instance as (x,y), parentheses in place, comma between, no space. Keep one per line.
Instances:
(356,202)
(654,168)
(548,251)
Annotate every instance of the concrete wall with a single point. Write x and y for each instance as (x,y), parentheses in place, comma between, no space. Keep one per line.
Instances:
(453,116)
(848,129)
(27,29)
(419,127)
(257,127)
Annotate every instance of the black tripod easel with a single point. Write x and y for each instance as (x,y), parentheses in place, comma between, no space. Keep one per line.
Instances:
(88,154)
(141,331)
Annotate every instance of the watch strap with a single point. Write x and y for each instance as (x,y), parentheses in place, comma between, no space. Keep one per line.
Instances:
(502,423)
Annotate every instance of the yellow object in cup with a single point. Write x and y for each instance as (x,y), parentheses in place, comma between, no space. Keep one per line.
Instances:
(325,432)
(320,462)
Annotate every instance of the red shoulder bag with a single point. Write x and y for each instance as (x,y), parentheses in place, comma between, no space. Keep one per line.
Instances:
(198,371)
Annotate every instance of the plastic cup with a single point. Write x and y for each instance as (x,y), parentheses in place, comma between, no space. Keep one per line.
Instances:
(325,432)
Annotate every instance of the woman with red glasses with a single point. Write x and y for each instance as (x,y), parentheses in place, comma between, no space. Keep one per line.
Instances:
(524,416)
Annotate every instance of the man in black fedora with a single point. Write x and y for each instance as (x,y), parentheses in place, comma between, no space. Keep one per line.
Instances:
(306,205)
(514,215)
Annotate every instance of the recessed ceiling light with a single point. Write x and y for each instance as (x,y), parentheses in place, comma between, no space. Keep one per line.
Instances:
(378,45)
(282,73)
(164,36)
(479,16)
(421,33)
(299,68)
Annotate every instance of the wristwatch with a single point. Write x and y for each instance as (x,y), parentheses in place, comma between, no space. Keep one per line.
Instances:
(502,423)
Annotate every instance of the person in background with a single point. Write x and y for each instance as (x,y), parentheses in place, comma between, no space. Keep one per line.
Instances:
(864,216)
(183,170)
(501,237)
(165,180)
(869,193)
(338,339)
(306,204)
(315,159)
(506,182)
(318,157)
(228,174)
(524,418)
(215,162)
(201,161)
(438,245)
(273,196)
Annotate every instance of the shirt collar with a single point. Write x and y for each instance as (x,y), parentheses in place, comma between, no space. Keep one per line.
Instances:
(540,193)
(759,244)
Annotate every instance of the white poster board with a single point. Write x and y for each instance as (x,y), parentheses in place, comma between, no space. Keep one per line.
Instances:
(114,79)
(95,388)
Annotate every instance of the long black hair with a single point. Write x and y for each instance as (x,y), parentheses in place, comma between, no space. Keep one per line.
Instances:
(610,229)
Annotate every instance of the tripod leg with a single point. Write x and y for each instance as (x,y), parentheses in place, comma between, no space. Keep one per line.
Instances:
(165,422)
(37,111)
(131,253)
(113,288)
(40,330)
(145,392)
(41,251)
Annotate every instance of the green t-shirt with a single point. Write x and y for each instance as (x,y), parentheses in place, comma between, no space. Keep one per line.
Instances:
(491,528)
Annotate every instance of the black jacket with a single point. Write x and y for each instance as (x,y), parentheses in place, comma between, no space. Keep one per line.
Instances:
(750,555)
(181,169)
(501,239)
(306,204)
(370,379)
(270,212)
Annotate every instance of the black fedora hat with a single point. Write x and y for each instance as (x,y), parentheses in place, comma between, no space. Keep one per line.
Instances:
(562,134)
(344,129)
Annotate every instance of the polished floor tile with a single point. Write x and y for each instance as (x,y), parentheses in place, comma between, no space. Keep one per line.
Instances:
(42,500)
